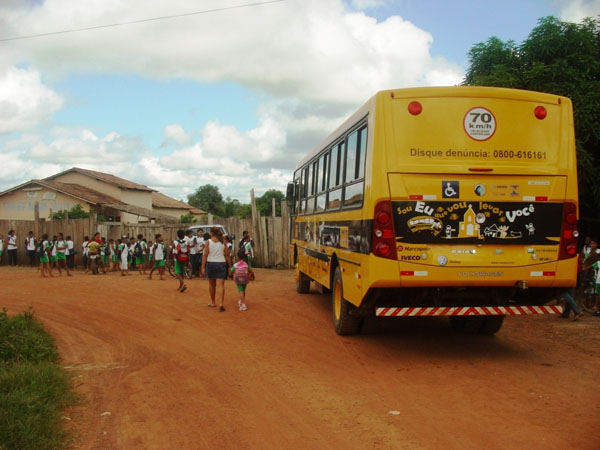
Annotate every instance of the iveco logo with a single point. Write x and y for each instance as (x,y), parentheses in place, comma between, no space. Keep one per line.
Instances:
(410,258)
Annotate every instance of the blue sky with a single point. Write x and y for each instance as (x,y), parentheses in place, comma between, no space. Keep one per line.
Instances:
(233,98)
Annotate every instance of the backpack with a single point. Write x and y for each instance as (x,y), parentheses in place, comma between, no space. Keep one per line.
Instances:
(93,248)
(241,276)
(138,250)
(41,251)
(181,256)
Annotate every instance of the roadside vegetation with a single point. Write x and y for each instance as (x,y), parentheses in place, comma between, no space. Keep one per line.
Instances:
(34,390)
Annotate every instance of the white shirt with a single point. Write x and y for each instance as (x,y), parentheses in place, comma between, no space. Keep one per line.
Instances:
(192,243)
(53,249)
(12,243)
(85,248)
(201,244)
(216,251)
(70,247)
(61,244)
(30,243)
(159,254)
(1,244)
(183,245)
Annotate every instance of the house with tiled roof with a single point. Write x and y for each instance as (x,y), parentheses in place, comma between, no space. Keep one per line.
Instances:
(175,208)
(117,199)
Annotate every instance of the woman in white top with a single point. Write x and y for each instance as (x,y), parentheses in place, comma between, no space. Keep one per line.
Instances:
(215,264)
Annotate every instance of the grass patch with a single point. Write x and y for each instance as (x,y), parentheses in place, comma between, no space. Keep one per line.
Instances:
(33,388)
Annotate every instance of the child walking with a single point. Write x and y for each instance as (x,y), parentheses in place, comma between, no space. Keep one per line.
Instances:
(45,257)
(180,253)
(158,256)
(242,275)
(124,253)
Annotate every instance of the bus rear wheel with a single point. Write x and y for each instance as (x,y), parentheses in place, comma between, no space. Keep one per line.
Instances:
(302,282)
(344,323)
(492,325)
(470,325)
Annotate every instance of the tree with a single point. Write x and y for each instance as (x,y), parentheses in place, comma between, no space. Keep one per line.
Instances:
(264,202)
(208,198)
(76,212)
(561,58)
(187,218)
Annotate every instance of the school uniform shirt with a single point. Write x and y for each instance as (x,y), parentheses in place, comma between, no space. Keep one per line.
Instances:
(1,245)
(159,254)
(53,249)
(192,244)
(12,243)
(30,244)
(61,244)
(183,245)
(84,246)
(70,247)
(200,244)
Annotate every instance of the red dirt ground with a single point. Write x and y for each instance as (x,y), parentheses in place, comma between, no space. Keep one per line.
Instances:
(159,369)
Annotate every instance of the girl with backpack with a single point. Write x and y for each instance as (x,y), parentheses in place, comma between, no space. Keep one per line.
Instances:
(181,254)
(242,275)
(44,254)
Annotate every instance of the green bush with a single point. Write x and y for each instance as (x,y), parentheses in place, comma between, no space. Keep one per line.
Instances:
(32,396)
(33,388)
(22,338)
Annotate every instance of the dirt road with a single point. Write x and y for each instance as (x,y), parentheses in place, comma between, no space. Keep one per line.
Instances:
(161,370)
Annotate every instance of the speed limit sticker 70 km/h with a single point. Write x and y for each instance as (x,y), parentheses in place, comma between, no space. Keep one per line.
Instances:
(479,123)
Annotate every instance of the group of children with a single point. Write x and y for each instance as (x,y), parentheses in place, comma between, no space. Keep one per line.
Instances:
(53,253)
(121,254)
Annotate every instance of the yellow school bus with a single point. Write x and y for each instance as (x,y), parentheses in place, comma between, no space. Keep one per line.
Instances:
(449,201)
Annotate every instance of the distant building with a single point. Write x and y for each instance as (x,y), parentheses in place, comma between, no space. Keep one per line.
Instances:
(117,199)
(171,207)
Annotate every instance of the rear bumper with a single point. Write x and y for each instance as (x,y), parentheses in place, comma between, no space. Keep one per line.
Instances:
(467,311)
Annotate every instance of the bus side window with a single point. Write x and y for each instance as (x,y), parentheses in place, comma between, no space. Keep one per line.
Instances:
(334,199)
(350,174)
(321,184)
(303,190)
(362,152)
(355,168)
(310,198)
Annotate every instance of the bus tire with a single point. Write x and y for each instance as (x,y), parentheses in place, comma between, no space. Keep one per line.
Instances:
(302,282)
(469,325)
(457,323)
(343,323)
(492,325)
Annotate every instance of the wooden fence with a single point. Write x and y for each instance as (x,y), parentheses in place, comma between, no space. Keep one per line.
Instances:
(270,234)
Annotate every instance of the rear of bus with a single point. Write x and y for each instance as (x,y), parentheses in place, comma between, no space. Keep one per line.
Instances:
(477,213)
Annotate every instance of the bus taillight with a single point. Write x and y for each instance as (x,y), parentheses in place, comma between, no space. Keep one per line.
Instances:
(384,241)
(568,241)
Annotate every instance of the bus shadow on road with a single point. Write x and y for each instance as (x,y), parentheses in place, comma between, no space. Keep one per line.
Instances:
(433,336)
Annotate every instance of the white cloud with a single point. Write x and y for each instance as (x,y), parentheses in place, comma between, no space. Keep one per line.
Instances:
(24,100)
(317,61)
(309,50)
(576,10)
(177,134)
(367,4)
(177,173)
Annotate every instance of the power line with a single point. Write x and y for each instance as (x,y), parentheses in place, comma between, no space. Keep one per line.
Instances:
(247,5)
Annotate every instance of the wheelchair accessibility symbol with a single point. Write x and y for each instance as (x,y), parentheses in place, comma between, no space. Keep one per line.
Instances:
(450,189)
